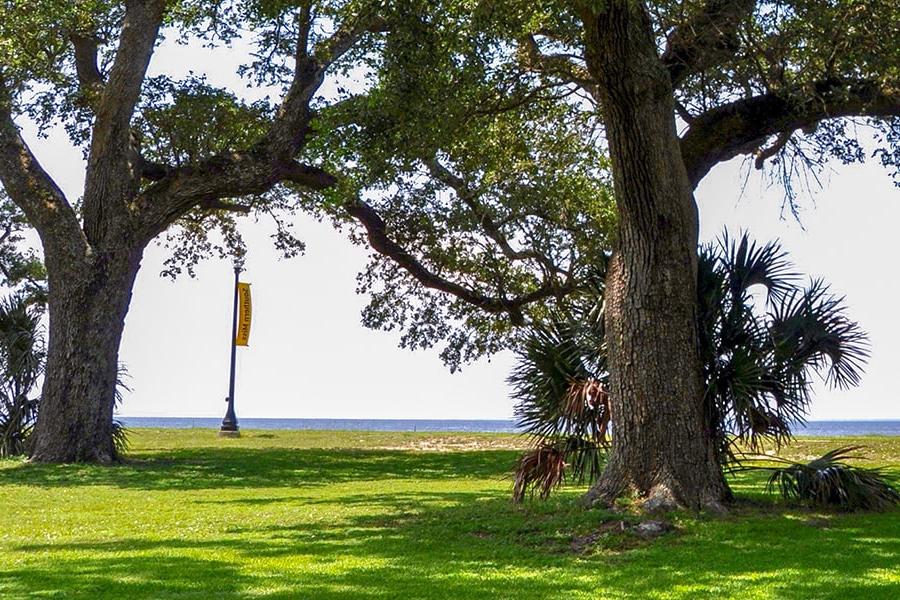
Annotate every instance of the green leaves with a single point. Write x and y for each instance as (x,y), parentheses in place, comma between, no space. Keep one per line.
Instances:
(484,172)
(182,122)
(21,268)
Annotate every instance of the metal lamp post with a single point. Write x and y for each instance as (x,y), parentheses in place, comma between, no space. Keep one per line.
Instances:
(229,423)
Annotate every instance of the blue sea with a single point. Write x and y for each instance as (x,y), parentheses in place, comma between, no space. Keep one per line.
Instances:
(812,428)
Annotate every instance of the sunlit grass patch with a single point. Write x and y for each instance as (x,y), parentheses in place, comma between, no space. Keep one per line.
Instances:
(349,515)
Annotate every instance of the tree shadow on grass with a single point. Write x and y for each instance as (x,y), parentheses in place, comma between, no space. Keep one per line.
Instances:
(465,545)
(215,468)
(117,573)
(774,550)
(437,543)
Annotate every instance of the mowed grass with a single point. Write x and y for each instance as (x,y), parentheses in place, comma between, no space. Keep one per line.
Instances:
(391,515)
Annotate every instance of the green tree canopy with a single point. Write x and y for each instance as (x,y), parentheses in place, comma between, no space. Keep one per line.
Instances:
(449,180)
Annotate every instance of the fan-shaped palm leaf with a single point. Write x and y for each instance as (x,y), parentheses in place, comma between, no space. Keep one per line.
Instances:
(831,481)
(21,364)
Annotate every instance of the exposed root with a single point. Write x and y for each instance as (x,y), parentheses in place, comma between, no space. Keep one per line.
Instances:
(660,499)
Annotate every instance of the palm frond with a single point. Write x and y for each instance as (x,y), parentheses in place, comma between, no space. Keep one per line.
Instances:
(831,481)
(749,264)
(810,329)
(540,469)
(120,433)
(544,468)
(21,365)
(557,356)
(758,363)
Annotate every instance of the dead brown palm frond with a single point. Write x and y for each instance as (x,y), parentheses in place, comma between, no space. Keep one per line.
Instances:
(587,401)
(540,469)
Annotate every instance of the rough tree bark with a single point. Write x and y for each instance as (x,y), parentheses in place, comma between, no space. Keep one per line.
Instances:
(87,305)
(660,447)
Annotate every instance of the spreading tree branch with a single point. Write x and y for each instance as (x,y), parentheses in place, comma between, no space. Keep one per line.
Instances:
(225,176)
(376,231)
(25,180)
(764,154)
(743,126)
(90,80)
(113,170)
(217,204)
(176,191)
(121,93)
(291,125)
(559,66)
(488,225)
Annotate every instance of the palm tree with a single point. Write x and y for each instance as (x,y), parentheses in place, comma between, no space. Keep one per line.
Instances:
(759,355)
(560,383)
(21,365)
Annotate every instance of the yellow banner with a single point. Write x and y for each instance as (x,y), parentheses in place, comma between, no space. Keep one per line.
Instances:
(244,314)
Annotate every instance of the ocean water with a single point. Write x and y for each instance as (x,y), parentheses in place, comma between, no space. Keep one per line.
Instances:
(812,428)
(490,426)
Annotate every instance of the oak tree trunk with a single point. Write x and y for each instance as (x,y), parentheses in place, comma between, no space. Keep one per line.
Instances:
(661,447)
(88,300)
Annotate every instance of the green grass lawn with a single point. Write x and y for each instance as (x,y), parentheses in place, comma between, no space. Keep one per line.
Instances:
(388,515)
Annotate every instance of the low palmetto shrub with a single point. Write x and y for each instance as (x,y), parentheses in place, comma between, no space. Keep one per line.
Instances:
(830,481)
(21,365)
(760,356)
(560,384)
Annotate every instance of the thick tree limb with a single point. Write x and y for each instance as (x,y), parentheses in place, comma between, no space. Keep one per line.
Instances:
(555,65)
(764,154)
(344,38)
(154,171)
(121,93)
(25,180)
(376,231)
(178,190)
(742,126)
(307,176)
(291,124)
(90,80)
(225,176)
(706,39)
(217,204)
(113,172)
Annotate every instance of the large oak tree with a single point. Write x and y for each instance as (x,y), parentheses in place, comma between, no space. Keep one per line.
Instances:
(744,77)
(85,64)
(679,87)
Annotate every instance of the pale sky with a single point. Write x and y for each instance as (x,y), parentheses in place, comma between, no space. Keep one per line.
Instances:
(309,357)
